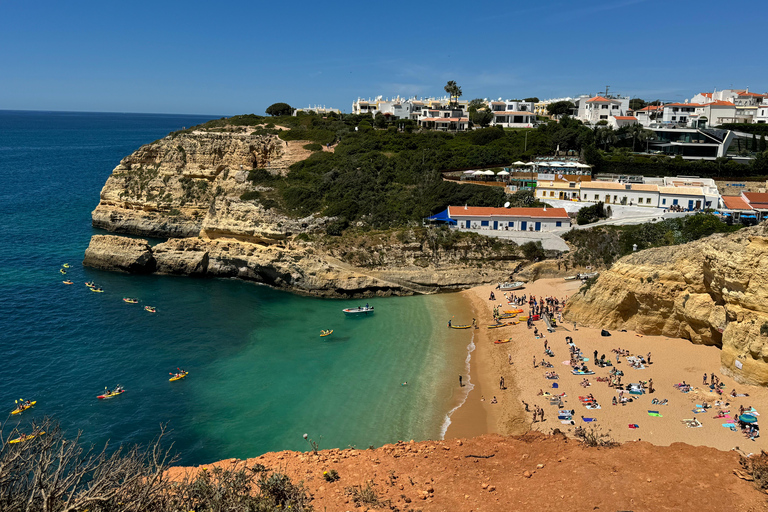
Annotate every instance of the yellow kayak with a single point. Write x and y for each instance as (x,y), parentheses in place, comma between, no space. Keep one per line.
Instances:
(178,376)
(326,333)
(22,409)
(66,265)
(62,271)
(24,437)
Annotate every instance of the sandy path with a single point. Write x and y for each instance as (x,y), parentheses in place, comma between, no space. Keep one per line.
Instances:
(673,361)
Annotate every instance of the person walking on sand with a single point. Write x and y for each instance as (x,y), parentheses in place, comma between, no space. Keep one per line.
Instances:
(704,380)
(501,382)
(649,358)
(510,358)
(461,383)
(534,361)
(526,406)
(650,386)
(541,413)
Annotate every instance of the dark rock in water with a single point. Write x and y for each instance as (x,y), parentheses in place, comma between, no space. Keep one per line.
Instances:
(119,253)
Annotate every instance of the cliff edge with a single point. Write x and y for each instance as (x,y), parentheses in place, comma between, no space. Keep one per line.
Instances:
(713,291)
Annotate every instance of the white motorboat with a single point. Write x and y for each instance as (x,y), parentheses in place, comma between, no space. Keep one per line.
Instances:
(360,310)
(505,287)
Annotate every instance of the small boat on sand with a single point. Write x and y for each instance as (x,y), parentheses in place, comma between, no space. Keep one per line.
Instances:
(505,287)
(360,310)
(499,342)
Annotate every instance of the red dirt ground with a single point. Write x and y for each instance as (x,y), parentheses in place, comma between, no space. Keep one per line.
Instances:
(533,472)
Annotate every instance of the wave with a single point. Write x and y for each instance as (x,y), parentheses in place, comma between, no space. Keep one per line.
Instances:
(469,387)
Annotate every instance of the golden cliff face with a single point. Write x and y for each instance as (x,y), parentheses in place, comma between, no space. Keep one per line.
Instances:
(713,291)
(179,185)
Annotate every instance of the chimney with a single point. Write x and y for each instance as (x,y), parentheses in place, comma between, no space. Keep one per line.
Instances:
(465,206)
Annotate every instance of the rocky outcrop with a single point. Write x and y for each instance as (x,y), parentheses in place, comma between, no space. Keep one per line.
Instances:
(713,291)
(120,254)
(176,186)
(295,267)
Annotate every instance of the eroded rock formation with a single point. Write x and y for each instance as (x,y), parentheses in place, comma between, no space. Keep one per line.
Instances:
(713,291)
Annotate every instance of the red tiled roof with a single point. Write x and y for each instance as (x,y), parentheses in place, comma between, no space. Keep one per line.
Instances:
(747,93)
(756,199)
(445,119)
(600,99)
(651,107)
(706,94)
(481,211)
(720,104)
(735,203)
(626,118)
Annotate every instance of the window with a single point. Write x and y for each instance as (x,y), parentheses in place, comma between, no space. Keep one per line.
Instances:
(558,224)
(552,193)
(615,107)
(674,118)
(663,201)
(604,107)
(674,202)
(511,224)
(648,201)
(615,198)
(682,119)
(603,117)
(597,197)
(483,222)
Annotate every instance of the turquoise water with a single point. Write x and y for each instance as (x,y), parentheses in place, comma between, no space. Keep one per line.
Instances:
(260,375)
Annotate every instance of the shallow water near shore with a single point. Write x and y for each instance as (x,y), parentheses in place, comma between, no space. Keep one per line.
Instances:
(260,375)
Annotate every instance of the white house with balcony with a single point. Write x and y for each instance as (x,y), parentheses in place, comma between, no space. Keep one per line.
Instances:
(761,116)
(600,108)
(508,219)
(628,194)
(512,113)
(649,114)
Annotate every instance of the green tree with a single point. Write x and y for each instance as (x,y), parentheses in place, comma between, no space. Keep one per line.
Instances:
(636,103)
(754,143)
(380,120)
(480,113)
(761,146)
(453,90)
(639,134)
(606,135)
(533,99)
(560,108)
(279,109)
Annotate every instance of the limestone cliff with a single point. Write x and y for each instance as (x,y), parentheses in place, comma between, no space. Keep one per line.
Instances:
(713,291)
(188,182)
(296,267)
(193,188)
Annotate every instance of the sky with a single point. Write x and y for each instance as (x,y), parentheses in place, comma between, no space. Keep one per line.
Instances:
(235,57)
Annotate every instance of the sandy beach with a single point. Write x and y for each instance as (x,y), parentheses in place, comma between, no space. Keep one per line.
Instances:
(672,361)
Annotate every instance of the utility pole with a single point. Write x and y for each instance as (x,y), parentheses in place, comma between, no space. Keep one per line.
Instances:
(606,90)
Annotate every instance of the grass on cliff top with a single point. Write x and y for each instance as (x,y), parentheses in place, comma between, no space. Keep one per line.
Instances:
(601,246)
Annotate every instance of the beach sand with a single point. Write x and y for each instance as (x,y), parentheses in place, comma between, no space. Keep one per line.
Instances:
(673,361)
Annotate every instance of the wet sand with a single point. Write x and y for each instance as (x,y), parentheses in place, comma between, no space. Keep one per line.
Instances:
(673,361)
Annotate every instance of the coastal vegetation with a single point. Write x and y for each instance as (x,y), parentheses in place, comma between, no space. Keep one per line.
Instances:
(54,474)
(601,246)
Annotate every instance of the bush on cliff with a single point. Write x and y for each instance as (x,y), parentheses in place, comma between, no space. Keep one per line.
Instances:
(52,473)
(590,214)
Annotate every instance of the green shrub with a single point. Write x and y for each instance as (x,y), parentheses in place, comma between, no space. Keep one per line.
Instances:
(331,475)
(260,176)
(314,146)
(533,251)
(251,195)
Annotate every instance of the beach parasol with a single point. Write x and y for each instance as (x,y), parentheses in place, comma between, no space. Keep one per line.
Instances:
(748,418)
(503,173)
(489,173)
(468,172)
(530,164)
(519,163)
(477,173)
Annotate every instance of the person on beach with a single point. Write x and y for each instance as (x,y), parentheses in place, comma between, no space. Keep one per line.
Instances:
(648,358)
(510,358)
(541,413)
(534,361)
(526,406)
(704,380)
(461,383)
(650,386)
(494,401)
(501,383)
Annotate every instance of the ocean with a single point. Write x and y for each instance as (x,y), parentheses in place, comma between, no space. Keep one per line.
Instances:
(260,376)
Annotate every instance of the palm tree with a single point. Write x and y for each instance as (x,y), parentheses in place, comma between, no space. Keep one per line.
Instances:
(606,135)
(639,134)
(453,90)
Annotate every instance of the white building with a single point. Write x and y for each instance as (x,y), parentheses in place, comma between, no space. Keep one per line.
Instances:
(600,108)
(321,111)
(621,121)
(540,108)
(508,219)
(679,113)
(628,194)
(649,114)
(512,114)
(762,112)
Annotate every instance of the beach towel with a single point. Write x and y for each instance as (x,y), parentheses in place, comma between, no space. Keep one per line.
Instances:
(654,413)
(634,425)
(588,420)
(554,385)
(692,423)
(729,425)
(566,422)
(698,411)
(593,406)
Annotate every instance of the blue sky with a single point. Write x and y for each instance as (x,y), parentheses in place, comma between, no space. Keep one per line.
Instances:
(234,57)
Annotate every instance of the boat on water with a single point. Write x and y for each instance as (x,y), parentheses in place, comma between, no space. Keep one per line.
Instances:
(119,390)
(90,284)
(326,333)
(360,310)
(130,300)
(505,287)
(23,406)
(68,282)
(66,265)
(97,290)
(150,309)
(178,376)
(62,271)
(26,437)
